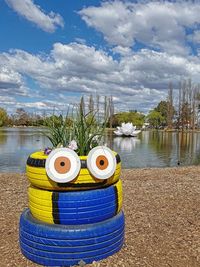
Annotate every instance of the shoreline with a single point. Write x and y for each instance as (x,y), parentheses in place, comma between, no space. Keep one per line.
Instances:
(111,129)
(161,209)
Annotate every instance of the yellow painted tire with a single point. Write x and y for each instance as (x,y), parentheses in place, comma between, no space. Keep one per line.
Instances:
(37,176)
(73,208)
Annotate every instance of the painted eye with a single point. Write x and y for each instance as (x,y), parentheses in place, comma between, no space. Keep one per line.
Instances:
(62,165)
(101,162)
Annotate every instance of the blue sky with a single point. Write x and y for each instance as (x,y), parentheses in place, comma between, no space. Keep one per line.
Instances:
(53,52)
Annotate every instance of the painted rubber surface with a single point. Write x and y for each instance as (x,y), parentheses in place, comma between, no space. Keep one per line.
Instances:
(63,245)
(81,207)
(70,243)
(37,176)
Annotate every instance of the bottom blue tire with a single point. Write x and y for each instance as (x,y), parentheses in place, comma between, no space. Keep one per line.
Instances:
(67,245)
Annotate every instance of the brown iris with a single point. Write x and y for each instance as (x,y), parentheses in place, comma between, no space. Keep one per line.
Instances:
(102,162)
(62,165)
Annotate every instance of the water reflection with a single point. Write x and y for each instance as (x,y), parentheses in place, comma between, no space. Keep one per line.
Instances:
(175,148)
(188,148)
(150,149)
(3,138)
(18,144)
(161,149)
(126,143)
(163,144)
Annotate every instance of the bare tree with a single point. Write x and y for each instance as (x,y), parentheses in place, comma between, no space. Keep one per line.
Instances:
(111,111)
(190,97)
(179,104)
(184,105)
(97,106)
(105,108)
(170,108)
(197,104)
(188,104)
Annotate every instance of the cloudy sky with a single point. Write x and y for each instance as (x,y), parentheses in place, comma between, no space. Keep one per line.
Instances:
(53,52)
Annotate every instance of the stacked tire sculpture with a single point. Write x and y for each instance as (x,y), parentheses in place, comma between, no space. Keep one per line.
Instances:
(74,207)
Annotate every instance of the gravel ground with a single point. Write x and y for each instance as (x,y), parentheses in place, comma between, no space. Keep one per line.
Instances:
(162,211)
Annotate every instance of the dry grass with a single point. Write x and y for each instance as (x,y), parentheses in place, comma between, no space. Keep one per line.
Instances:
(162,211)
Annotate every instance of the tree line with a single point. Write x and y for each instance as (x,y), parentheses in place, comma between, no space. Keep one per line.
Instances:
(20,118)
(102,108)
(184,114)
(177,111)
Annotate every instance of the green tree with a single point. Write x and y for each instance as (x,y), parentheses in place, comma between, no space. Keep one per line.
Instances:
(135,117)
(155,118)
(3,117)
(163,109)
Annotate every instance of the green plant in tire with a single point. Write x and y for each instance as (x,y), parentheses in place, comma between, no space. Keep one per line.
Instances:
(59,131)
(87,132)
(82,133)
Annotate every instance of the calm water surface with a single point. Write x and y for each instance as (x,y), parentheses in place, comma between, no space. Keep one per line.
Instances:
(150,149)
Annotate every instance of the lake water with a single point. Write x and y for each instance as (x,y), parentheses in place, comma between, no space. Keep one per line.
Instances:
(150,149)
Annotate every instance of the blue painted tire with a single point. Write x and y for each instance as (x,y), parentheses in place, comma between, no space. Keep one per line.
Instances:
(73,208)
(66,245)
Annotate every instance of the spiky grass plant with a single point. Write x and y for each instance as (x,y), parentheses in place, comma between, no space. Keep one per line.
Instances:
(59,132)
(82,134)
(87,132)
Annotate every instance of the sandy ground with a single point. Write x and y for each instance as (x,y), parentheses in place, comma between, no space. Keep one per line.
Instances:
(162,211)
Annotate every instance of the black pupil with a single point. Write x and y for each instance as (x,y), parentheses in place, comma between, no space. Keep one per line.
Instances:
(101,162)
(62,164)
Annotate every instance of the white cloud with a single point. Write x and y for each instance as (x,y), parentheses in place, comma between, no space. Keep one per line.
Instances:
(32,12)
(124,51)
(83,57)
(154,69)
(137,81)
(156,24)
(8,103)
(9,78)
(72,67)
(112,19)
(11,82)
(7,100)
(37,104)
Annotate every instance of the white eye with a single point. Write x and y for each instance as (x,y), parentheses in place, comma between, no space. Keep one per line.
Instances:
(62,165)
(101,162)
